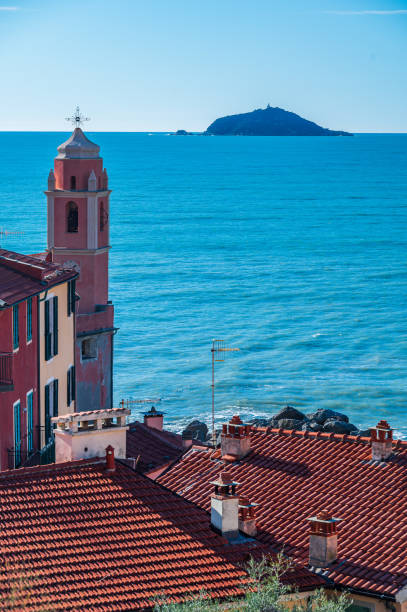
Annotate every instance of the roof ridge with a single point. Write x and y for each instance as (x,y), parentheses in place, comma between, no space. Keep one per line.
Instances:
(23,471)
(156,434)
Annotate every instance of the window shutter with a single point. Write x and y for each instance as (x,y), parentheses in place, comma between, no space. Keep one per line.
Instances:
(47,415)
(55,398)
(68,387)
(47,332)
(55,330)
(73,383)
(15,327)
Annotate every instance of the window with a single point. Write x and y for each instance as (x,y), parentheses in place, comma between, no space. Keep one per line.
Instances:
(72,217)
(29,319)
(51,407)
(30,423)
(15,327)
(70,386)
(89,348)
(51,327)
(17,434)
(73,183)
(103,217)
(71,297)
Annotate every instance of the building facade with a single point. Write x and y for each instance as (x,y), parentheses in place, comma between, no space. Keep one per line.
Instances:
(37,349)
(78,236)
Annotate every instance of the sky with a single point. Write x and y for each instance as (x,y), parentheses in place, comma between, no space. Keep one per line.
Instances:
(163,65)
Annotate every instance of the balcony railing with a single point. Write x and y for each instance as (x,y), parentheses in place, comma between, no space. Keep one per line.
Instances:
(24,455)
(6,371)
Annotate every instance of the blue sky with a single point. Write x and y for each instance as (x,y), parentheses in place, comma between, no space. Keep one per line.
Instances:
(157,65)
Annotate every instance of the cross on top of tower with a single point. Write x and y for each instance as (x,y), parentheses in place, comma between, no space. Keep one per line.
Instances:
(77,118)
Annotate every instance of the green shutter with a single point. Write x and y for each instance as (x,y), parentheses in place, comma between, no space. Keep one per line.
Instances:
(29,319)
(73,383)
(47,415)
(68,387)
(47,335)
(55,398)
(17,435)
(15,327)
(30,422)
(55,330)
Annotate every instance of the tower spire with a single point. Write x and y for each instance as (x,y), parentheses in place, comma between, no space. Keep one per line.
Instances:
(77,118)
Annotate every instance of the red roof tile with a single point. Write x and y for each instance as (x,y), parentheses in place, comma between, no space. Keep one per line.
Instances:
(293,476)
(22,276)
(85,538)
(154,447)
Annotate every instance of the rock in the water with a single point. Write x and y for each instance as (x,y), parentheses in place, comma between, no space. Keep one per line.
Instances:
(198,430)
(341,427)
(365,433)
(259,422)
(311,426)
(290,424)
(323,414)
(290,413)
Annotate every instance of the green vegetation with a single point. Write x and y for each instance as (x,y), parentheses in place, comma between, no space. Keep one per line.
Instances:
(264,591)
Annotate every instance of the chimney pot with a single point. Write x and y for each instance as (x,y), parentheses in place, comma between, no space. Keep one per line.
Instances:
(235,438)
(154,419)
(382,441)
(247,520)
(110,462)
(323,544)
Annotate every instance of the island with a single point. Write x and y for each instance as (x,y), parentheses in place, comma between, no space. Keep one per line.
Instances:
(270,121)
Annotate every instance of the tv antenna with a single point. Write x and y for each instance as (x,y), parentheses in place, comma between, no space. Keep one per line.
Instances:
(218,351)
(4,233)
(77,118)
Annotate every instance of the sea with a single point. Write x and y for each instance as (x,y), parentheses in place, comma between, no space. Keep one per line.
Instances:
(291,249)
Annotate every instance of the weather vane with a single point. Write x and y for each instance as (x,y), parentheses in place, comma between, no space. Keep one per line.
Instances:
(77,118)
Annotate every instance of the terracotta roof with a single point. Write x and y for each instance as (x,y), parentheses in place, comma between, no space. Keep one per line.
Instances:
(154,447)
(22,276)
(295,475)
(84,538)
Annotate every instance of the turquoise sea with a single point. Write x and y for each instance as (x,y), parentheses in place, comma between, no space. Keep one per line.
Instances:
(293,249)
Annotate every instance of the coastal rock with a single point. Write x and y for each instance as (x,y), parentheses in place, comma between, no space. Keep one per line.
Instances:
(260,422)
(270,121)
(311,426)
(289,413)
(365,433)
(340,427)
(198,429)
(290,424)
(323,414)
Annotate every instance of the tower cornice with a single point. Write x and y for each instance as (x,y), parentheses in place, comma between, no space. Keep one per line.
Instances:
(79,193)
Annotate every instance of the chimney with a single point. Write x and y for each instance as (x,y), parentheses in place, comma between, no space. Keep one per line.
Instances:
(247,521)
(382,438)
(235,439)
(154,419)
(186,438)
(86,434)
(110,463)
(225,506)
(323,540)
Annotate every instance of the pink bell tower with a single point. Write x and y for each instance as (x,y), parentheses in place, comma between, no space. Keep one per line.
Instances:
(78,236)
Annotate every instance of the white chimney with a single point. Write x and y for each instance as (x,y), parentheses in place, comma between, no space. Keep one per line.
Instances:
(87,434)
(382,441)
(225,506)
(154,419)
(323,540)
(235,439)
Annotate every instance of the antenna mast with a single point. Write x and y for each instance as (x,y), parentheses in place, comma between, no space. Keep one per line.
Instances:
(218,349)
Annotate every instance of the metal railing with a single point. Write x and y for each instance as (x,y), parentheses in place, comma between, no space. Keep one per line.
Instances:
(6,370)
(23,455)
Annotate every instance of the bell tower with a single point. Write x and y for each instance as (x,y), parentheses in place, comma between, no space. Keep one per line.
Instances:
(78,236)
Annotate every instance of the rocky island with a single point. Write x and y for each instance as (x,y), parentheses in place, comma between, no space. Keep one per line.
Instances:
(270,121)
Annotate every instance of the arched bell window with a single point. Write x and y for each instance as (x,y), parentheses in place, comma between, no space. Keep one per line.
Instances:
(72,217)
(103,217)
